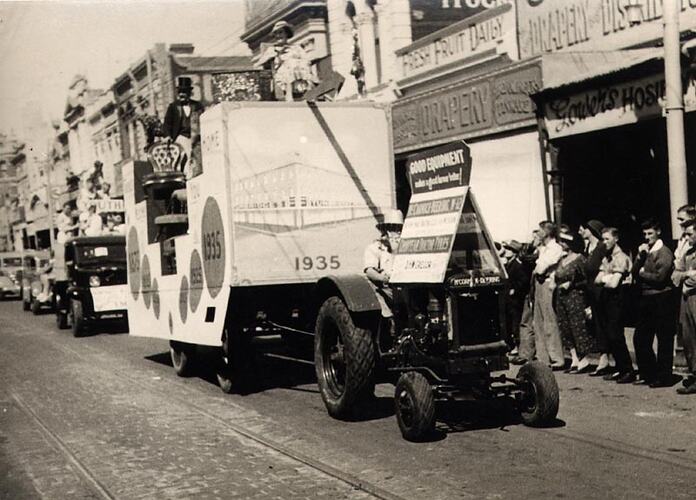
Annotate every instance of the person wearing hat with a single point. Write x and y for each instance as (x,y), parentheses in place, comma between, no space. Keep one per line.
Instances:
(594,252)
(519,276)
(613,273)
(292,69)
(685,214)
(378,257)
(182,123)
(569,282)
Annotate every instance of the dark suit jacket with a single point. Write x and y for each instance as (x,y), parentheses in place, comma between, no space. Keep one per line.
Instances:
(174,119)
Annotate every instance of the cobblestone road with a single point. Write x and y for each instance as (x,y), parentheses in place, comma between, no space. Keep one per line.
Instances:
(105,416)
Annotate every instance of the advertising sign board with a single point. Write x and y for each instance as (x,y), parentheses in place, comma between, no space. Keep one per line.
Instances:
(443,228)
(555,25)
(487,33)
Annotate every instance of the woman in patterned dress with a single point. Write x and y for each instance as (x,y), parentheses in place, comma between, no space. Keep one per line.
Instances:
(570,282)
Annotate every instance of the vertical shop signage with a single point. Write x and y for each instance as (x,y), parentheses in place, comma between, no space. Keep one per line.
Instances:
(554,25)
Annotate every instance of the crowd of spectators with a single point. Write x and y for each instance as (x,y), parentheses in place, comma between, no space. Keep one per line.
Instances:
(574,293)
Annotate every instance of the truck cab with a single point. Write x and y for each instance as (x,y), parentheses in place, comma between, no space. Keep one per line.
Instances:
(93,291)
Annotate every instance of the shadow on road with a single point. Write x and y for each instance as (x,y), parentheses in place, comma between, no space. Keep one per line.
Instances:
(478,415)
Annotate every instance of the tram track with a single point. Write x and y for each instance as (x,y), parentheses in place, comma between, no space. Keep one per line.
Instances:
(182,397)
(54,439)
(102,491)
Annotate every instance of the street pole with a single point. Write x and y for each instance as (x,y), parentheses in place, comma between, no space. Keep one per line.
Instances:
(51,210)
(674,111)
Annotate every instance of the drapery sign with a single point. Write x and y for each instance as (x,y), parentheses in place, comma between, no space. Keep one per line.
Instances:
(439,179)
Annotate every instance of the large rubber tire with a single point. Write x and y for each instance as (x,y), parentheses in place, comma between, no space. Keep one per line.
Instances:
(183,358)
(235,363)
(35,307)
(540,402)
(344,359)
(79,327)
(414,406)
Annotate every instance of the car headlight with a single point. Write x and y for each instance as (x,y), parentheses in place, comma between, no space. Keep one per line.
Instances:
(94,281)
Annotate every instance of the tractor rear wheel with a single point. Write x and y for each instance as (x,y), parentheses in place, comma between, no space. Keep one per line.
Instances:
(539,404)
(344,358)
(414,406)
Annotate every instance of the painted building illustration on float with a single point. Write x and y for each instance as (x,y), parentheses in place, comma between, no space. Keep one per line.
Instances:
(296,196)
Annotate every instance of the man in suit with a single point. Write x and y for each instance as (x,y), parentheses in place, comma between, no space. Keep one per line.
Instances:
(182,125)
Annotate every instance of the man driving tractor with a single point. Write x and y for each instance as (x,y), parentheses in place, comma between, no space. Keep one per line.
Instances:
(379,257)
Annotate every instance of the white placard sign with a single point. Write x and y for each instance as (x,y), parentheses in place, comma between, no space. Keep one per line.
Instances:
(109,298)
(428,235)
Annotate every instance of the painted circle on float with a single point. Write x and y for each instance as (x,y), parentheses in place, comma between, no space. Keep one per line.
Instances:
(155,298)
(171,324)
(133,250)
(183,299)
(213,246)
(145,283)
(196,284)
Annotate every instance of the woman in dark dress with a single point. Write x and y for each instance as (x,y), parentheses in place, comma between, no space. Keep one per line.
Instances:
(570,281)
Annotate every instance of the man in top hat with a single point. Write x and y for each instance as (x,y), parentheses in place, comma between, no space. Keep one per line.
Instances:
(378,258)
(182,123)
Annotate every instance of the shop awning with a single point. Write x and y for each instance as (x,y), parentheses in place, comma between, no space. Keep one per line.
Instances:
(561,69)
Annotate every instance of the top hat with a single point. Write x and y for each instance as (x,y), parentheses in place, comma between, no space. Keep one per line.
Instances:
(183,83)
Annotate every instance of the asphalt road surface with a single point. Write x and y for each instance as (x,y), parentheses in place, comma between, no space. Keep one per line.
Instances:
(106,417)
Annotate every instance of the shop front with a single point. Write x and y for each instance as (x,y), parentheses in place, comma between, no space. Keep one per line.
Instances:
(607,141)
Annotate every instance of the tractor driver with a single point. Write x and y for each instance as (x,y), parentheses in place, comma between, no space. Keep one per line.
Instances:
(378,258)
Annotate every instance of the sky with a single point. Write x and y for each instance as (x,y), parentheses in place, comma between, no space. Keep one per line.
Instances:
(43,45)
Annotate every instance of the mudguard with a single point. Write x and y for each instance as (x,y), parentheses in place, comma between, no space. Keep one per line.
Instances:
(356,290)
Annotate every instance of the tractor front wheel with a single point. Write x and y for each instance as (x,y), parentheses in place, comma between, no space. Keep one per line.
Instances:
(539,405)
(414,406)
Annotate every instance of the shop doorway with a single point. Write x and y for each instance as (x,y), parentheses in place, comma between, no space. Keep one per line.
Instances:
(618,176)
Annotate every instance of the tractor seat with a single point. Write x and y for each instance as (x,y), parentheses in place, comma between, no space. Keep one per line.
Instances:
(487,349)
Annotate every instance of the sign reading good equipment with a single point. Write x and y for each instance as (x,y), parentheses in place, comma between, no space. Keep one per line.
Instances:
(440,168)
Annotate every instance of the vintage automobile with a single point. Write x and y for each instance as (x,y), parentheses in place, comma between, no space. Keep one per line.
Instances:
(11,264)
(269,236)
(9,285)
(34,264)
(93,289)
